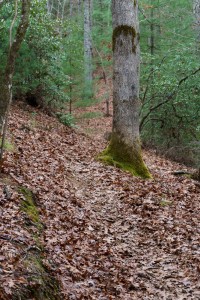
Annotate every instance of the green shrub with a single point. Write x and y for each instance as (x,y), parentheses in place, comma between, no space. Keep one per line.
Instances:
(67,119)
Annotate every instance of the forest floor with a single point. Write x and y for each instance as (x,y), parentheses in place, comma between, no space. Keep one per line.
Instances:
(100,232)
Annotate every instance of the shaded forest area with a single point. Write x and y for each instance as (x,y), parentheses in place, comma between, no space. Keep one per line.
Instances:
(73,227)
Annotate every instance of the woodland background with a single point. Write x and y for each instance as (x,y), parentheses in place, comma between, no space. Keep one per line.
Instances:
(71,227)
(68,47)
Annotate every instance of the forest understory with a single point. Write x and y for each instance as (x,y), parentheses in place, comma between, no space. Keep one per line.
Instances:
(73,228)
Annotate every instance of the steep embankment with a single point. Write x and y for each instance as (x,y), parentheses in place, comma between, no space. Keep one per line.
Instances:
(99,232)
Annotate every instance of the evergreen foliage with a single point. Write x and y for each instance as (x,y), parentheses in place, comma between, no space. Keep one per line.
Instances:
(102,33)
(73,63)
(38,73)
(50,66)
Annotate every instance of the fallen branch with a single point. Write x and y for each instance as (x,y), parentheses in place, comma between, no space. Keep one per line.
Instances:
(195,175)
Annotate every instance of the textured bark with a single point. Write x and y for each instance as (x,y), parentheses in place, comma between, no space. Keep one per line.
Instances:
(6,84)
(124,149)
(196,11)
(49,7)
(71,7)
(125,71)
(88,43)
(152,29)
(79,6)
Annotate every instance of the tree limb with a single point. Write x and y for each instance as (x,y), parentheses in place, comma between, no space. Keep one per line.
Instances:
(168,98)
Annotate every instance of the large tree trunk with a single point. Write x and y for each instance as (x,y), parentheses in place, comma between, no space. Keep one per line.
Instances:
(6,84)
(124,149)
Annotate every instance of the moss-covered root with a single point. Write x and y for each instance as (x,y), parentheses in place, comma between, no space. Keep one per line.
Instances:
(41,284)
(126,158)
(29,206)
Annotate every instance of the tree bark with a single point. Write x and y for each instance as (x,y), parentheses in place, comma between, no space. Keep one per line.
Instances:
(124,149)
(79,7)
(196,11)
(49,7)
(88,46)
(6,84)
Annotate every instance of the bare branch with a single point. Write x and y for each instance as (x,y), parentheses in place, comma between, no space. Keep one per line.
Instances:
(168,98)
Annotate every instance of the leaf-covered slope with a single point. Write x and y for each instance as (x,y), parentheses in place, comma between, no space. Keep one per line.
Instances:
(106,235)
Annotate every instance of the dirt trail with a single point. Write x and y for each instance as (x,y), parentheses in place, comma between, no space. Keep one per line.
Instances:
(131,238)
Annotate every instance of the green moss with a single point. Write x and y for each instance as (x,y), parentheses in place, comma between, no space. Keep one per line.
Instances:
(164,203)
(41,284)
(8,146)
(124,30)
(29,206)
(124,157)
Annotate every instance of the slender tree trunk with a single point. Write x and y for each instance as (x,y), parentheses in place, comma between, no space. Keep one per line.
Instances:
(88,46)
(107,89)
(49,7)
(152,46)
(58,9)
(196,11)
(124,149)
(71,8)
(6,84)
(79,6)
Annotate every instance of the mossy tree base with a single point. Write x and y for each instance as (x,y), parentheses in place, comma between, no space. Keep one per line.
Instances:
(125,157)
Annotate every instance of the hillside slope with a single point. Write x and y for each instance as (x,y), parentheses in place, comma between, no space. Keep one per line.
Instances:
(72,228)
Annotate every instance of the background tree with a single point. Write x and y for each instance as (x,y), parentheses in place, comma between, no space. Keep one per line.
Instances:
(7,78)
(102,45)
(51,67)
(88,48)
(124,149)
(196,10)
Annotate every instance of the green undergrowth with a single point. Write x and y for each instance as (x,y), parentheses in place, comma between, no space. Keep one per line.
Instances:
(121,156)
(67,119)
(86,102)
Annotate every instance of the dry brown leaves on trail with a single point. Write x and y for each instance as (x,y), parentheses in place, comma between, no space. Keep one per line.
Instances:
(106,234)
